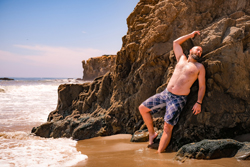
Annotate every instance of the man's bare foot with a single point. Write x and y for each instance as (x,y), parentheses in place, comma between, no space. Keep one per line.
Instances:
(152,137)
(159,152)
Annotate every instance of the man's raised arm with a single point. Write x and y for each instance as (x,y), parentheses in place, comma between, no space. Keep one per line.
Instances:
(177,44)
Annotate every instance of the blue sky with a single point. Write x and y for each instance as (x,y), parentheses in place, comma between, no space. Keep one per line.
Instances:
(50,38)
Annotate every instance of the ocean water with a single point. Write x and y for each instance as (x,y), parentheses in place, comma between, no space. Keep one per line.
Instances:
(25,103)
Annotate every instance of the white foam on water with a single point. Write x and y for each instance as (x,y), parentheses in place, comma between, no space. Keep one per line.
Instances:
(22,149)
(27,103)
(24,104)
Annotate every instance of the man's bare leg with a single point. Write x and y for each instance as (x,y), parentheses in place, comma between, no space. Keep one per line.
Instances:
(149,122)
(165,138)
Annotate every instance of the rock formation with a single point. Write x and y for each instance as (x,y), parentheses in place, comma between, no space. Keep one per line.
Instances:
(144,65)
(98,66)
(214,149)
(7,79)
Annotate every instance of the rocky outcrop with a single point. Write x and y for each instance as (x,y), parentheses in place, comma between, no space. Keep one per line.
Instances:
(7,79)
(214,149)
(144,65)
(98,66)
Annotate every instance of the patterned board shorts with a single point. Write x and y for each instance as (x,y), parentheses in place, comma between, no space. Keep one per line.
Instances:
(174,105)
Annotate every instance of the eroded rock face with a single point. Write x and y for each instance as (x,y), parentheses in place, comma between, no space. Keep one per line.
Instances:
(144,65)
(98,66)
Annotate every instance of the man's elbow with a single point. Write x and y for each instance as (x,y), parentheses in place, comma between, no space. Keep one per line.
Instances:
(175,42)
(176,45)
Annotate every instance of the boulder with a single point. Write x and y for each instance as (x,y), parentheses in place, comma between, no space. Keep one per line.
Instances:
(142,136)
(214,149)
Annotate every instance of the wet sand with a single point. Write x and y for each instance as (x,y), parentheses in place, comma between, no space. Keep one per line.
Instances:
(117,150)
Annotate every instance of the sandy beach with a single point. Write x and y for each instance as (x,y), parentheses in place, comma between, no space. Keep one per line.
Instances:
(117,150)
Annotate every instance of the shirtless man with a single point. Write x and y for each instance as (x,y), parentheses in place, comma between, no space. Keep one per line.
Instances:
(174,97)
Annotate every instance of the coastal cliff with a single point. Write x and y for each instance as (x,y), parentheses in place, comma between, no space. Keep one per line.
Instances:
(144,65)
(98,66)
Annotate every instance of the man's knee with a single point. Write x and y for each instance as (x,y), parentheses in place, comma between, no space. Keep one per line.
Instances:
(143,109)
(168,127)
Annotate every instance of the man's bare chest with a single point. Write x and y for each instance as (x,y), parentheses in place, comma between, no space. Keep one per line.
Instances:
(188,69)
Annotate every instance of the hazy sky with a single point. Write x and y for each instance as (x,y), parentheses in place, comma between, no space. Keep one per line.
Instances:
(50,38)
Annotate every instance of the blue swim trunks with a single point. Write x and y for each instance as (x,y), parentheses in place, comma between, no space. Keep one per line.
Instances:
(174,105)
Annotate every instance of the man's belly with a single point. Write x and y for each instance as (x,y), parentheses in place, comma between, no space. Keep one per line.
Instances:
(177,90)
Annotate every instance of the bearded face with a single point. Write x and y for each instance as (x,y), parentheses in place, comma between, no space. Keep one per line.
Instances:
(195,57)
(196,52)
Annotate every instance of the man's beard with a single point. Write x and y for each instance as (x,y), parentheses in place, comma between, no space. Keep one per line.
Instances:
(195,57)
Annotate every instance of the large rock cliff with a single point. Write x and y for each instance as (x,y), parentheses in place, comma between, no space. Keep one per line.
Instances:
(144,65)
(98,66)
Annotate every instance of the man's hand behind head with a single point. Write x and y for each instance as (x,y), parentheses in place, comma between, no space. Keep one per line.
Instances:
(194,33)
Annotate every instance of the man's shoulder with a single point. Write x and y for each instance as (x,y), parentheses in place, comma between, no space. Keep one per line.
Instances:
(199,65)
(183,57)
(201,68)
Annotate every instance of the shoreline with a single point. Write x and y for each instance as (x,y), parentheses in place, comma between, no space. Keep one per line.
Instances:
(117,150)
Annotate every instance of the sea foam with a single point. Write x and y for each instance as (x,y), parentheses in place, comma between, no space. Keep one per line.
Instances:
(25,104)
(23,149)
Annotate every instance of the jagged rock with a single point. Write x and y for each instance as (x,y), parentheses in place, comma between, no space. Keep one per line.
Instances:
(214,149)
(145,64)
(98,66)
(44,130)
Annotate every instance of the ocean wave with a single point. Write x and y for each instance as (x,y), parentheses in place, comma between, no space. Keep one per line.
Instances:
(19,135)
(26,104)
(24,149)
